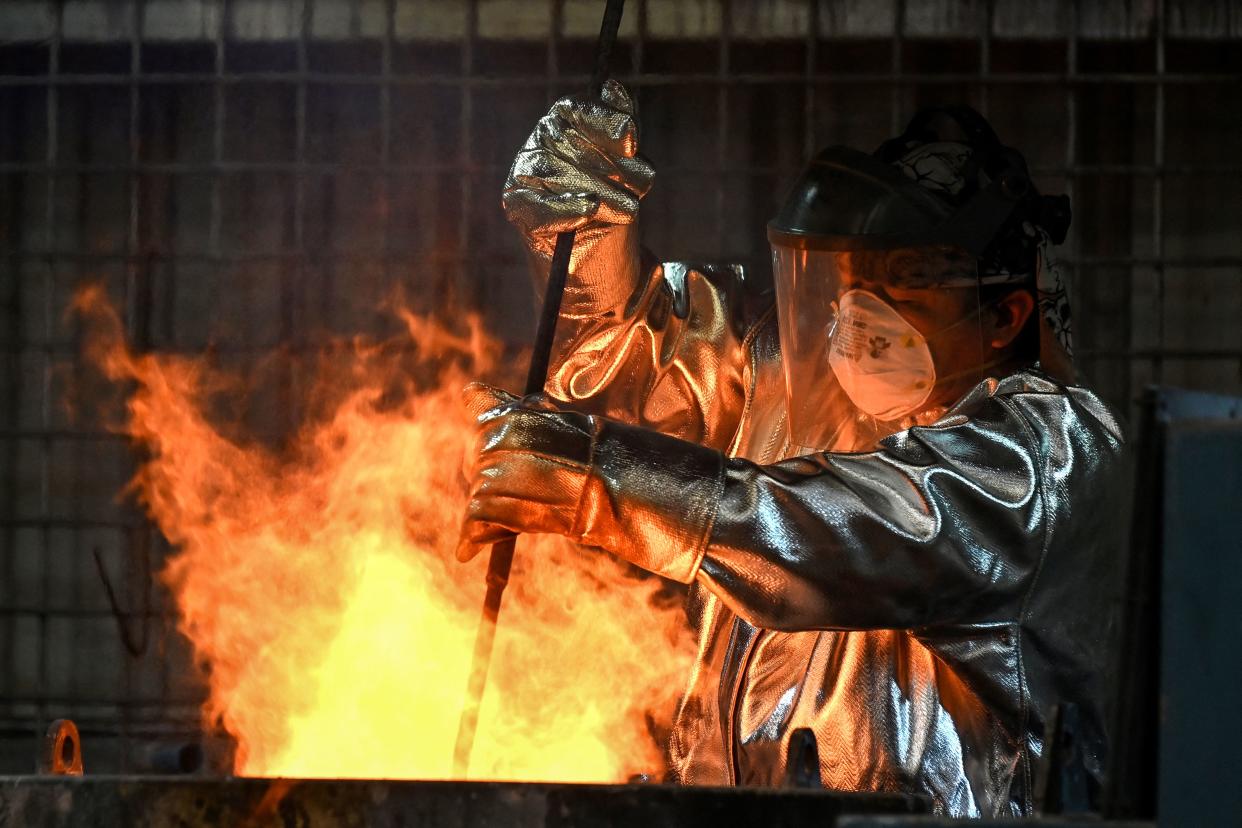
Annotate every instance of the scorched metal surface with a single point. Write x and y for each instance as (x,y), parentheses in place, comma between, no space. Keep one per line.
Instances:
(157,802)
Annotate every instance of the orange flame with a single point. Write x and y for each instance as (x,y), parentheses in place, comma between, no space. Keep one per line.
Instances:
(318,587)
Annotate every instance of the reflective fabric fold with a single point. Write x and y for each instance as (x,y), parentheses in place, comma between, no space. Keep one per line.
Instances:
(921,606)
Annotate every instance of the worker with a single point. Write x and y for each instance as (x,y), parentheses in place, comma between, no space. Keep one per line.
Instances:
(892,506)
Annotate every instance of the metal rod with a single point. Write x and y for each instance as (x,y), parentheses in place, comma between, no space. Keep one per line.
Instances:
(60,522)
(498,258)
(82,256)
(1157,195)
(339,167)
(465,148)
(12,407)
(895,60)
(62,701)
(386,180)
(638,49)
(525,80)
(722,123)
(138,320)
(45,261)
(109,614)
(35,434)
(217,132)
(1071,122)
(985,54)
(293,270)
(49,314)
(808,88)
(500,561)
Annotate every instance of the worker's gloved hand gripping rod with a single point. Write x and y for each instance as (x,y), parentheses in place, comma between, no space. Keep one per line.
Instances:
(501,559)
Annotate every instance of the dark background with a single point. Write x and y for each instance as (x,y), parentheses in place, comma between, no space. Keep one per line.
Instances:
(259,175)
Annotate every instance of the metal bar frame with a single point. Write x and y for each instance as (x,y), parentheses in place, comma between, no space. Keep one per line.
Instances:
(525,80)
(395,257)
(353,167)
(299,253)
(49,310)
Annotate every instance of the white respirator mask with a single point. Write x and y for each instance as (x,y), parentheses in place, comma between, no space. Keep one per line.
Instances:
(881,361)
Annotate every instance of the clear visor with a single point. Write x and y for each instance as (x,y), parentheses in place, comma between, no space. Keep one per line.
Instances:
(859,363)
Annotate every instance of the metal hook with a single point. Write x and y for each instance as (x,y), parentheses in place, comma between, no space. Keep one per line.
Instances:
(134,647)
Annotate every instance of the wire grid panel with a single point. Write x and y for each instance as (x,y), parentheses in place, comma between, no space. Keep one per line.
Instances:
(250,177)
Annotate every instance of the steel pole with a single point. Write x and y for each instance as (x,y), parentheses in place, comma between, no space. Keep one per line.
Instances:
(500,560)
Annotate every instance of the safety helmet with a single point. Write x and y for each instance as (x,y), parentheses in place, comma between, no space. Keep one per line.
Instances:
(855,222)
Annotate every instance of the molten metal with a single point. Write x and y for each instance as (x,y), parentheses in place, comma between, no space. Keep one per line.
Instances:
(317,583)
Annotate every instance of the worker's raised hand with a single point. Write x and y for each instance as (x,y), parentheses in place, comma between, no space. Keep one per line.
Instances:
(579,168)
(527,471)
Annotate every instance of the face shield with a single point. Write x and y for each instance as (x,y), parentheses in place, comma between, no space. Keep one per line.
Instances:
(867,337)
(878,291)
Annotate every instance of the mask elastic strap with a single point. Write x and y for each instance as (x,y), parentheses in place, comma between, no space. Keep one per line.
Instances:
(973,369)
(979,310)
(976,314)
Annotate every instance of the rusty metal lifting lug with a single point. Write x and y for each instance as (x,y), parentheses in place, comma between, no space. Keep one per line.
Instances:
(61,751)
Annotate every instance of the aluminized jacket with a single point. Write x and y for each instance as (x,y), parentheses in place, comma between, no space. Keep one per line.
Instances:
(921,607)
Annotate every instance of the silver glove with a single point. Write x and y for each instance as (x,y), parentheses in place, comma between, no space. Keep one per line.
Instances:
(580,170)
(539,468)
(527,471)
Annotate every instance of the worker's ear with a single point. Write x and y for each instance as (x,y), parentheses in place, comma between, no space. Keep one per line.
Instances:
(1009,317)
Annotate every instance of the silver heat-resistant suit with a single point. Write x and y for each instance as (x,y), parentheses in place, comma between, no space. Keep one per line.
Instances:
(921,605)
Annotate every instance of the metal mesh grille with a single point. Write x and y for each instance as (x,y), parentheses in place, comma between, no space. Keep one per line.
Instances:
(247,177)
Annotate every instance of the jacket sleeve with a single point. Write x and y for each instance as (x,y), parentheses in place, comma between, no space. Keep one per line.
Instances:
(656,345)
(669,355)
(659,345)
(943,524)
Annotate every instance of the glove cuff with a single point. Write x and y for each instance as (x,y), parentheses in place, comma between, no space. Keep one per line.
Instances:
(650,499)
(604,268)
